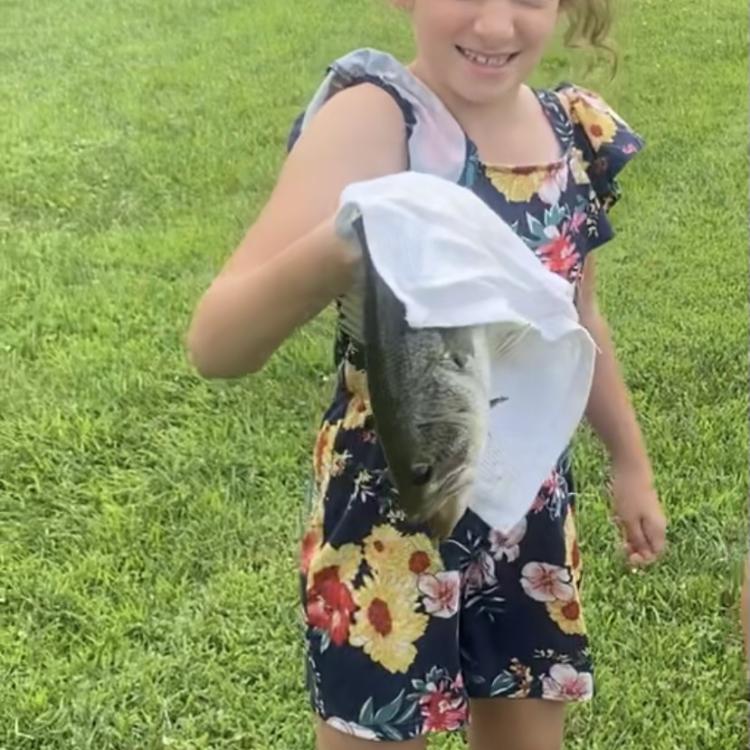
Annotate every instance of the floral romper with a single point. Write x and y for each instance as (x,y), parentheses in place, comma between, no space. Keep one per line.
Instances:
(399,635)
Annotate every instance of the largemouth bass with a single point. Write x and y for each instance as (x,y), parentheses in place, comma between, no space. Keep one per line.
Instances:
(430,398)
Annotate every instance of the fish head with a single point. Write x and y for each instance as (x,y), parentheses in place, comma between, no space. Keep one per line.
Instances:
(444,421)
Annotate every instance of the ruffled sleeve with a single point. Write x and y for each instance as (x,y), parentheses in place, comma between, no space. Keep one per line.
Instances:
(604,141)
(436,142)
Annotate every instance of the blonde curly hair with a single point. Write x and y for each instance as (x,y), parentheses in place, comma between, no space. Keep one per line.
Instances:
(589,24)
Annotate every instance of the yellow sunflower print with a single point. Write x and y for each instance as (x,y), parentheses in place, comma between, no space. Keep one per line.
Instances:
(401,557)
(578,167)
(572,551)
(358,409)
(568,615)
(323,453)
(386,625)
(600,126)
(517,185)
(346,558)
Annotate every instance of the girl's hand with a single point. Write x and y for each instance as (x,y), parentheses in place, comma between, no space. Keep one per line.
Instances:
(638,514)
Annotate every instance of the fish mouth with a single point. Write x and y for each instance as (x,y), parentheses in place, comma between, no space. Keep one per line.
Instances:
(450,490)
(458,480)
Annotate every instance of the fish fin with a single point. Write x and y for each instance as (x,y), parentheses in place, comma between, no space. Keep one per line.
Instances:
(503,336)
(348,222)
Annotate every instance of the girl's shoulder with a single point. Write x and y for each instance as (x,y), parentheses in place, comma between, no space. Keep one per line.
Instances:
(593,116)
(435,141)
(601,139)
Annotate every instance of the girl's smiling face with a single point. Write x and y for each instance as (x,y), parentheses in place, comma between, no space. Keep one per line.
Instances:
(480,50)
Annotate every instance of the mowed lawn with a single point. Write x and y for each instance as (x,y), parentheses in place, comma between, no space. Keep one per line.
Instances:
(149,520)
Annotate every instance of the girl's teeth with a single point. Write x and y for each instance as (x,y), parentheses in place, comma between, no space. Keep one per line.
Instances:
(496,61)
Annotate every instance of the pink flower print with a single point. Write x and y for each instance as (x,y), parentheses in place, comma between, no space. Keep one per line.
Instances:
(577,221)
(547,583)
(349,727)
(440,594)
(507,545)
(565,683)
(479,573)
(554,184)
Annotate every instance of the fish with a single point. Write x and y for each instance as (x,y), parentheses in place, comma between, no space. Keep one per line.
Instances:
(429,391)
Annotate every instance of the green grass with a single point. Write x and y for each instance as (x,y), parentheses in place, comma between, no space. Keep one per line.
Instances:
(148,520)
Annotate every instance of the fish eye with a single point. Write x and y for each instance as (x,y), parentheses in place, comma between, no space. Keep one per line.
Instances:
(458,359)
(421,474)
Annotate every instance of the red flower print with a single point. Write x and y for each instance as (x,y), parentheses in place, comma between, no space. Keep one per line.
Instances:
(443,705)
(330,605)
(310,543)
(559,254)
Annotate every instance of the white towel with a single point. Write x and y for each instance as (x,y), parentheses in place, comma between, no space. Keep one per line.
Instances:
(453,262)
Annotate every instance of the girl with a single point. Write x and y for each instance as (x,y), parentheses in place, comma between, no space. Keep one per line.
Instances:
(403,640)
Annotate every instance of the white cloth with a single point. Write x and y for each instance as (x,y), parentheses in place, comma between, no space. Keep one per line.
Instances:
(453,262)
